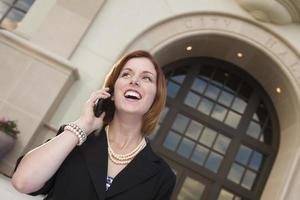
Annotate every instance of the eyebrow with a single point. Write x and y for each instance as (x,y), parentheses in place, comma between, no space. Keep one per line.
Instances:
(142,72)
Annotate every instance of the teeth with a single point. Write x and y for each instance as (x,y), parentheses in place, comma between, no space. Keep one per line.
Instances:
(132,94)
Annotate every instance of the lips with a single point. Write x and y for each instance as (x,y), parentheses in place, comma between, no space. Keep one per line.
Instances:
(132,94)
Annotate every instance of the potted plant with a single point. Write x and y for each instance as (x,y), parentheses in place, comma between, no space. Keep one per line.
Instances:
(8,135)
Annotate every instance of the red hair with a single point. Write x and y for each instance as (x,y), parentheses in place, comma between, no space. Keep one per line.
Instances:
(151,117)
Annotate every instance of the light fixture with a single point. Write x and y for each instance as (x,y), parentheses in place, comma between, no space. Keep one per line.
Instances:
(278,90)
(239,54)
(189,48)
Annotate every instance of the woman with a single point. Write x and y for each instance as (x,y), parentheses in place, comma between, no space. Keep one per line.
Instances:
(115,162)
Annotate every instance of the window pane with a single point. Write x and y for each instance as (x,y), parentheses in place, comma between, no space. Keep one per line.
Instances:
(180,123)
(163,114)
(239,105)
(208,136)
(213,162)
(225,98)
(194,130)
(185,148)
(243,155)
(219,113)
(200,154)
(199,85)
(178,78)
(232,83)
(236,173)
(261,114)
(222,143)
(171,141)
(233,119)
(192,99)
(172,89)
(254,129)
(225,195)
(248,180)
(191,190)
(256,161)
(212,92)
(205,106)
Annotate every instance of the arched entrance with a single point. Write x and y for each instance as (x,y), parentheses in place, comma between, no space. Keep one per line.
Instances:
(219,131)
(267,58)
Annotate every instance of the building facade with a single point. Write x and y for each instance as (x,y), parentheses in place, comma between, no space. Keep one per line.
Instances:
(230,129)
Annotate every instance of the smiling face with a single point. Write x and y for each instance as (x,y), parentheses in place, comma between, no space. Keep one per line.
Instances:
(135,87)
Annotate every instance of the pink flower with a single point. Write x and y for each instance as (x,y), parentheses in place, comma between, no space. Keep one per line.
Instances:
(4,119)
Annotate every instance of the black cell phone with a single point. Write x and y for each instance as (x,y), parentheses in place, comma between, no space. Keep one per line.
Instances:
(104,105)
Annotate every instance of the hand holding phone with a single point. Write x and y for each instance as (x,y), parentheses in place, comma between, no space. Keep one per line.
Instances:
(102,105)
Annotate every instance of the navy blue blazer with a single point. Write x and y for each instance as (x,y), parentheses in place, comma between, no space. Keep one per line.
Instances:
(82,175)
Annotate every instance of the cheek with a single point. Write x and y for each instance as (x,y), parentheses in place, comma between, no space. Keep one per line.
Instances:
(152,94)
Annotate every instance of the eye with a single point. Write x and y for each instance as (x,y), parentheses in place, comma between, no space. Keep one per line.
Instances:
(147,78)
(125,74)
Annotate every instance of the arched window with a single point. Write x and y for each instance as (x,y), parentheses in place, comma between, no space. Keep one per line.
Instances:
(12,12)
(219,131)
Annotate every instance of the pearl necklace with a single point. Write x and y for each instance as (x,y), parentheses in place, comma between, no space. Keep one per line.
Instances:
(123,159)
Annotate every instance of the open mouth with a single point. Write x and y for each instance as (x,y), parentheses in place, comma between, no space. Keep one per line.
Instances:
(132,94)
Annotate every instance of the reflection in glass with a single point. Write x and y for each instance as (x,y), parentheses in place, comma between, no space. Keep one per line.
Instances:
(192,99)
(239,105)
(205,106)
(222,143)
(225,98)
(199,85)
(191,190)
(208,136)
(243,155)
(213,162)
(219,113)
(178,78)
(171,141)
(253,130)
(232,119)
(154,132)
(248,180)
(256,161)
(186,147)
(172,89)
(212,92)
(236,173)
(180,123)
(199,154)
(225,195)
(163,114)
(194,130)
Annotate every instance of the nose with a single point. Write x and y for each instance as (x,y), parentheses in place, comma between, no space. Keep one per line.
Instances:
(135,81)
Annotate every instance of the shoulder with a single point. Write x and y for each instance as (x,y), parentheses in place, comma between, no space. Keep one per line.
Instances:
(165,170)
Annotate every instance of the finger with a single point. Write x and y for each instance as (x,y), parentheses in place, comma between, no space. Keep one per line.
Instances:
(100,92)
(100,118)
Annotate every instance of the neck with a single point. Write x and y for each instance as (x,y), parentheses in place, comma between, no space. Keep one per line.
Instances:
(125,131)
